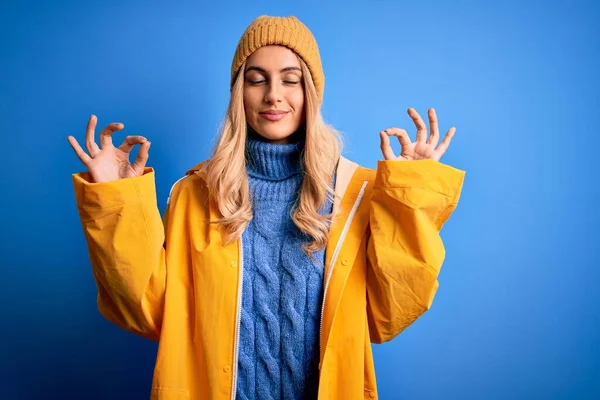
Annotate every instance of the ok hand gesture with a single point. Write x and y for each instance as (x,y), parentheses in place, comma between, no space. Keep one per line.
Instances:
(109,163)
(424,147)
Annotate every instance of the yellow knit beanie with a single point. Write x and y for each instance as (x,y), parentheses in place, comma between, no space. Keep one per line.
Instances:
(286,31)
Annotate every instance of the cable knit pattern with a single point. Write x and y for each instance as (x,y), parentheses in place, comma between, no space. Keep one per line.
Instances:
(282,288)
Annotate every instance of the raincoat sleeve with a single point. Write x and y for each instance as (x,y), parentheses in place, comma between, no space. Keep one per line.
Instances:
(125,238)
(410,202)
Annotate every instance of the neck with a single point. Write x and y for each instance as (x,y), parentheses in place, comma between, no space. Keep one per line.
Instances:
(295,137)
(269,161)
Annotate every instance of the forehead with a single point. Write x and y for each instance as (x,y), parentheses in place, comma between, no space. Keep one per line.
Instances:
(273,58)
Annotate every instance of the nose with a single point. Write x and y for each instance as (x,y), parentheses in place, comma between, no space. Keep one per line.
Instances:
(273,94)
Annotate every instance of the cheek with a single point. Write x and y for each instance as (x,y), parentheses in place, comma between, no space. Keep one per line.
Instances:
(247,102)
(251,101)
(297,102)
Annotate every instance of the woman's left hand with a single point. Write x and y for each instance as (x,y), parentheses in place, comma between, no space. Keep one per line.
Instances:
(423,148)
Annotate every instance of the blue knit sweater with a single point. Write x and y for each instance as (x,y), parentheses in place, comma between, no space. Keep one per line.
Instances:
(282,288)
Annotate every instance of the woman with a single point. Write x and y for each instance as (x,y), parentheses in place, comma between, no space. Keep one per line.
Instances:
(278,261)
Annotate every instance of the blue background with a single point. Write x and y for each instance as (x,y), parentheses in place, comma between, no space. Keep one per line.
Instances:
(516,315)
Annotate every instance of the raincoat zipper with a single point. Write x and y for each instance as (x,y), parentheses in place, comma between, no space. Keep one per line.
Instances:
(336,254)
(238,321)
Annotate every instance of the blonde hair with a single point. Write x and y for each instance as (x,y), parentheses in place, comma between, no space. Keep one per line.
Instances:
(228,181)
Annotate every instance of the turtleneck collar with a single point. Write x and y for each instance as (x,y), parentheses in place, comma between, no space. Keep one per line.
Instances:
(273,162)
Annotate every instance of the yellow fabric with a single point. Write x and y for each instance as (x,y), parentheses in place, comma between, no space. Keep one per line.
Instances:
(184,290)
(286,31)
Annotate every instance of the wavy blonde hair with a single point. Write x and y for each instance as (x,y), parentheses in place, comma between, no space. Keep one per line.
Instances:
(227,179)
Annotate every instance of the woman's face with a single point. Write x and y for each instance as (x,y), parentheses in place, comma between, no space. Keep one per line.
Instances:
(274,93)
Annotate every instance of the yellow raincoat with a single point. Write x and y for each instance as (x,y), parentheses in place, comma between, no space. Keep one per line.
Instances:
(172,280)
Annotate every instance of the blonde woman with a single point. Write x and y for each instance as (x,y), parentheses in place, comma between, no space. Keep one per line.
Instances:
(278,261)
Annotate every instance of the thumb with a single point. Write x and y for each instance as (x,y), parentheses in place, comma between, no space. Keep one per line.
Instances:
(386,148)
(141,159)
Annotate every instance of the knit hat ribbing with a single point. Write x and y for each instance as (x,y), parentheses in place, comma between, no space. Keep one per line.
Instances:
(286,31)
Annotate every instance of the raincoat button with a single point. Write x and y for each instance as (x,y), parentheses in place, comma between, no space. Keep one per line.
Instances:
(344,262)
(226,369)
(232,264)
(372,395)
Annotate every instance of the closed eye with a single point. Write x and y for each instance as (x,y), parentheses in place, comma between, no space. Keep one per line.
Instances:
(258,82)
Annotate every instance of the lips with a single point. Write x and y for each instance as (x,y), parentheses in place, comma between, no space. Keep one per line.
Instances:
(273,115)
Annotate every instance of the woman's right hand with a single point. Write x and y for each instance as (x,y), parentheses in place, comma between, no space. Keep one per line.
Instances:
(109,163)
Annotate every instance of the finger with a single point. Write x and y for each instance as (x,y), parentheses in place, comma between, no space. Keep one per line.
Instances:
(434,136)
(386,148)
(131,141)
(402,136)
(85,159)
(90,141)
(142,158)
(105,134)
(421,127)
(441,149)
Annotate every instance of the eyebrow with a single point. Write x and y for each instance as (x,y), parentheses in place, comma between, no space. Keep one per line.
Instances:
(259,69)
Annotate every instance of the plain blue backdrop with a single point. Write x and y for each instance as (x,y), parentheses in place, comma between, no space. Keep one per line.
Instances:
(516,315)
